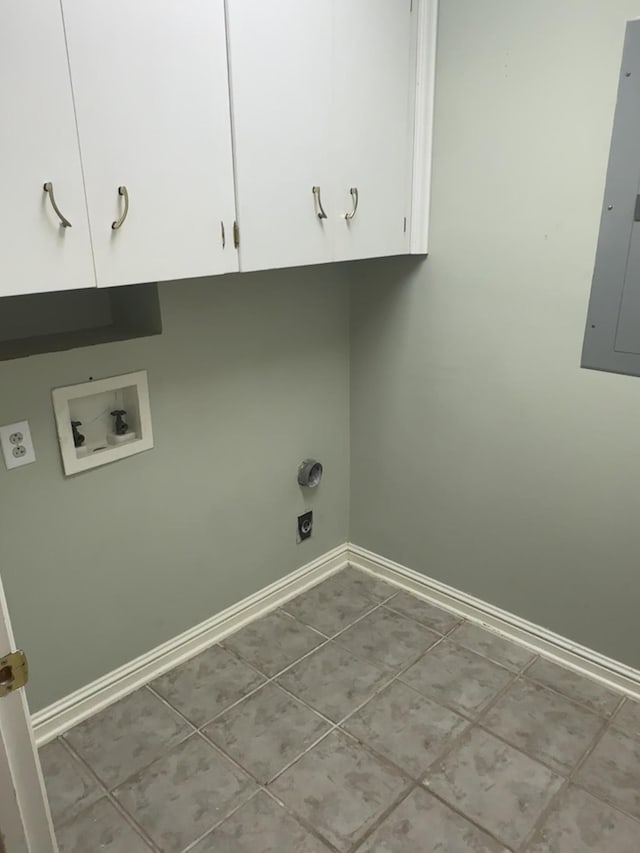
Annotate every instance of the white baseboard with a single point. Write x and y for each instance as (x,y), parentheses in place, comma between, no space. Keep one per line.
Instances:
(78,706)
(609,672)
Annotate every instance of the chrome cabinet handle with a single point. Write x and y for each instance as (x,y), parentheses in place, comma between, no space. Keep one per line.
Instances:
(118,222)
(48,188)
(318,203)
(354,196)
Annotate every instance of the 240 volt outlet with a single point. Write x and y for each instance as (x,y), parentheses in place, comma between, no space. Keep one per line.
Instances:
(305,525)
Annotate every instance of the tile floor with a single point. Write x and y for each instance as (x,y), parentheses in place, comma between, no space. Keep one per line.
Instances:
(355,718)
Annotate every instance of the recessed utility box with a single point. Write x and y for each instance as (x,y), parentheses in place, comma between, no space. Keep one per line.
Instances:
(102,421)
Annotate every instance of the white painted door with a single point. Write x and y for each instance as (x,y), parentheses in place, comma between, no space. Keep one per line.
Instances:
(152,100)
(25,823)
(38,145)
(281,65)
(372,126)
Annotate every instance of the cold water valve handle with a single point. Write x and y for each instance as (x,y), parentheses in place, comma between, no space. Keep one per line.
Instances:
(120,426)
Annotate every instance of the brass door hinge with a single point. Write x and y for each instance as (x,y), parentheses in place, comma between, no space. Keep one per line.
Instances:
(236,234)
(14,672)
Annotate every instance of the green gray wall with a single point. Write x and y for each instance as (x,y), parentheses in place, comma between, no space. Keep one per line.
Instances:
(249,377)
(482,455)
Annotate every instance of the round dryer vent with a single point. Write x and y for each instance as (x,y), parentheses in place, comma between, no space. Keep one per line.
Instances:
(310,473)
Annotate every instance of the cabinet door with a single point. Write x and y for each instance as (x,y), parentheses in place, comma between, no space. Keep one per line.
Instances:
(372,125)
(38,145)
(281,68)
(152,100)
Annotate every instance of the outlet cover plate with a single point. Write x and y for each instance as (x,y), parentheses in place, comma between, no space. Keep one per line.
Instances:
(17,446)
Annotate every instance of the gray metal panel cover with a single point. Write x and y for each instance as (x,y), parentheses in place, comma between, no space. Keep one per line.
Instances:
(612,334)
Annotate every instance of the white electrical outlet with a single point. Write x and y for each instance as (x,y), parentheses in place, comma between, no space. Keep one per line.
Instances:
(17,446)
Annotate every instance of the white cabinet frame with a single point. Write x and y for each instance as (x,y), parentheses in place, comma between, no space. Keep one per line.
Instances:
(426,40)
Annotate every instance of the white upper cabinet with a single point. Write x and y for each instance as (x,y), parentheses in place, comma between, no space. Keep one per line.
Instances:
(155,125)
(324,95)
(152,101)
(280,59)
(38,146)
(372,124)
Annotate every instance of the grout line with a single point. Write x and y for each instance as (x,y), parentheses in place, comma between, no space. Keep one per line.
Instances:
(376,603)
(333,724)
(333,729)
(325,717)
(218,823)
(558,650)
(603,714)
(109,796)
(76,755)
(381,759)
(474,720)
(264,786)
(195,725)
(269,679)
(567,781)
(432,640)
(285,613)
(274,678)
(355,621)
(458,739)
(299,819)
(564,773)
(459,619)
(393,677)
(456,809)
(284,769)
(471,720)
(175,710)
(406,790)
(542,818)
(381,819)
(165,749)
(397,677)
(608,726)
(510,666)
(613,806)
(226,756)
(222,751)
(133,822)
